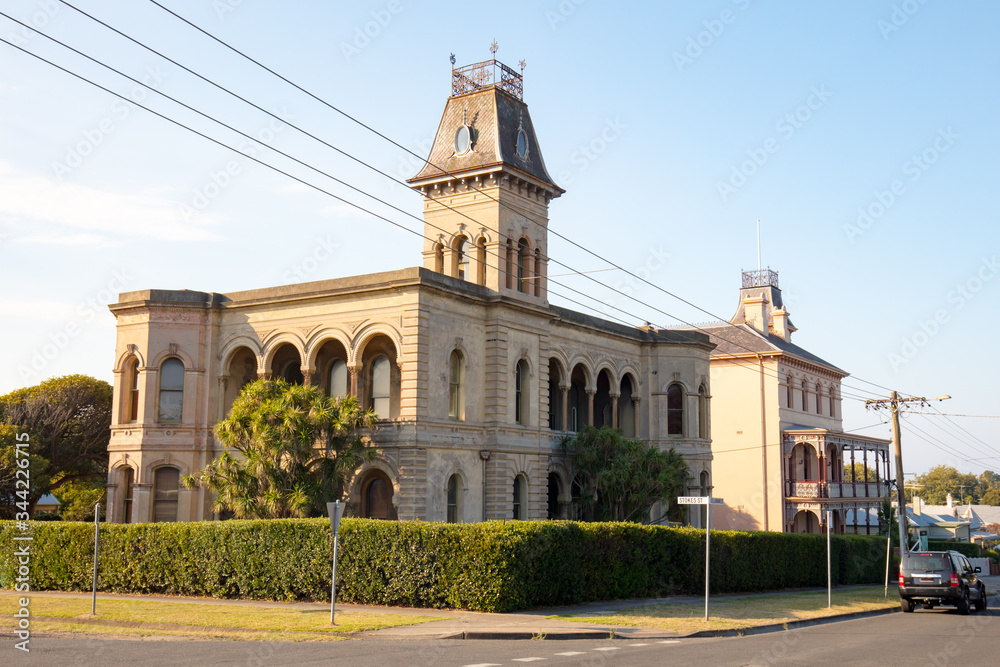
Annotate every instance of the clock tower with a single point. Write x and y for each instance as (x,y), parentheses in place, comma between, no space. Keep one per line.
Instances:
(486,188)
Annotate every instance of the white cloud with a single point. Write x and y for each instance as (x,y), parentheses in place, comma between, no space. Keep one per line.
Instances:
(35,200)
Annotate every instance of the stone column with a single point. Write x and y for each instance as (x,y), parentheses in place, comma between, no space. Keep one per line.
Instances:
(614,409)
(223,385)
(354,370)
(307,377)
(636,405)
(564,408)
(590,406)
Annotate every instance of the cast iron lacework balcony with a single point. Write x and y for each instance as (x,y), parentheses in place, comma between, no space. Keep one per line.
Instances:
(798,488)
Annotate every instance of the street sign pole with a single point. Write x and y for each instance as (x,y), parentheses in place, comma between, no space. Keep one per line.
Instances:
(704,500)
(336,510)
(829,570)
(708,551)
(97,541)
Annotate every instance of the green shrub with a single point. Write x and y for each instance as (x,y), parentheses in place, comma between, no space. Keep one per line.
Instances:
(492,566)
(966,548)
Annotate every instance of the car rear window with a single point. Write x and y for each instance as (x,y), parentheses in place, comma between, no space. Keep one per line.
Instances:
(927,563)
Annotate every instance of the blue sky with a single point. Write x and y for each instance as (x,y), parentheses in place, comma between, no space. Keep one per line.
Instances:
(862,135)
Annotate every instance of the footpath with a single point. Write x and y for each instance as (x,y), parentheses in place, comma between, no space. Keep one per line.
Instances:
(534,624)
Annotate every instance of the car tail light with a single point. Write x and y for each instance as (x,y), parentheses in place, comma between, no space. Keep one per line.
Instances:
(902,579)
(954,580)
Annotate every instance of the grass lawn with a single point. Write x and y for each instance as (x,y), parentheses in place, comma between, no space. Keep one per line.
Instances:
(737,613)
(202,620)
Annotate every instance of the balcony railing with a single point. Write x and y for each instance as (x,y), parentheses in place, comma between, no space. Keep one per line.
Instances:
(803,488)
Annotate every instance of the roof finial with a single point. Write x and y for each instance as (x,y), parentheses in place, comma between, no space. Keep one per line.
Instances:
(522,64)
(452,59)
(493,48)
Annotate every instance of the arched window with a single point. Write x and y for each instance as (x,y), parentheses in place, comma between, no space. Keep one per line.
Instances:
(520,498)
(703,412)
(555,396)
(166,484)
(789,397)
(675,410)
(291,372)
(509,265)
(523,270)
(438,258)
(819,401)
(805,397)
(339,383)
(171,390)
(380,387)
(128,478)
(521,393)
(454,512)
(131,377)
(461,258)
(456,386)
(377,497)
(537,272)
(481,261)
(555,487)
(626,407)
(833,404)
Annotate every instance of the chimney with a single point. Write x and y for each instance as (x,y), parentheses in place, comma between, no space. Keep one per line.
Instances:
(950,505)
(918,505)
(755,312)
(782,327)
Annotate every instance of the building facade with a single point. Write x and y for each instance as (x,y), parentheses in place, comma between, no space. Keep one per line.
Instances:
(475,376)
(779,448)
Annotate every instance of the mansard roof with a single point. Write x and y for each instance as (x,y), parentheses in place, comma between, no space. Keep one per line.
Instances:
(495,118)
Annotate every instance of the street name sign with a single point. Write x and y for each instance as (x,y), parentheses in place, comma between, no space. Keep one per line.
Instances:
(699,500)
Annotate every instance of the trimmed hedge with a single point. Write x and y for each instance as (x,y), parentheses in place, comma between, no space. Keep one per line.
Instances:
(492,566)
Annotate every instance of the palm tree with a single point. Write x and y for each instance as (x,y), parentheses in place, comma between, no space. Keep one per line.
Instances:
(293,450)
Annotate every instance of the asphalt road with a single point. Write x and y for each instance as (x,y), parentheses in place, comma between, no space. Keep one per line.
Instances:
(938,638)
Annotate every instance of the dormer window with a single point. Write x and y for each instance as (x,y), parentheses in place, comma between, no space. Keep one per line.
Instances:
(522,144)
(463,140)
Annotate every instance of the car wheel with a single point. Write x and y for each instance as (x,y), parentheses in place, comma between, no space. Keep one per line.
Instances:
(907,605)
(963,603)
(981,602)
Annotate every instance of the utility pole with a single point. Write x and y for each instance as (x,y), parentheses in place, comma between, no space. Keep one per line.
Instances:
(893,404)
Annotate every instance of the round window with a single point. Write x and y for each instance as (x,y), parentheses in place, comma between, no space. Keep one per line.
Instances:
(463,140)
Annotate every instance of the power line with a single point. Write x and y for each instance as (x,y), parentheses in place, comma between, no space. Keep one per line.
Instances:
(427,161)
(359,190)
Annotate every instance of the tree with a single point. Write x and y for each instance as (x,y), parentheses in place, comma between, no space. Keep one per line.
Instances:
(991,497)
(624,478)
(295,451)
(68,420)
(78,498)
(859,471)
(888,525)
(935,485)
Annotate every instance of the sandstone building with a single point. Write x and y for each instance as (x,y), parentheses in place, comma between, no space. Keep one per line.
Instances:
(779,447)
(475,375)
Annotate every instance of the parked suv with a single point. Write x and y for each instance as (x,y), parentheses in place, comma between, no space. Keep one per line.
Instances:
(940,577)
